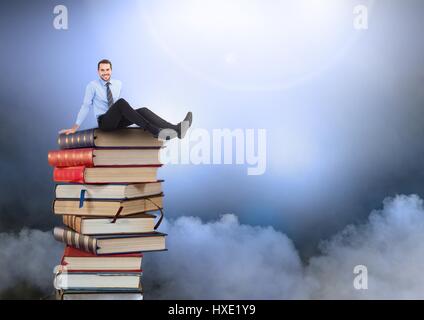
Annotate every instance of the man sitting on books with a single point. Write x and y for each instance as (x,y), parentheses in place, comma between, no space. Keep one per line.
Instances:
(113,112)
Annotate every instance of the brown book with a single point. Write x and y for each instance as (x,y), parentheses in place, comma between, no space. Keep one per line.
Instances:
(96,280)
(98,295)
(138,223)
(112,244)
(108,191)
(107,207)
(126,137)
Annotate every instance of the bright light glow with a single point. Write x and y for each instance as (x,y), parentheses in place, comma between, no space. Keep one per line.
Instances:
(278,43)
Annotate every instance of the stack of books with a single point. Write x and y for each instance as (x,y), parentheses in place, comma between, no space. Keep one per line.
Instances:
(106,191)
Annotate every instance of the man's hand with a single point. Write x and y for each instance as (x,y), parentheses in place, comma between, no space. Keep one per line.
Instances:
(69,131)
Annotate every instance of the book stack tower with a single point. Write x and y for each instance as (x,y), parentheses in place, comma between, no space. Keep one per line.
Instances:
(106,191)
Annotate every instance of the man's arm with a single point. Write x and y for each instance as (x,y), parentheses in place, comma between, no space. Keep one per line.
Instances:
(85,108)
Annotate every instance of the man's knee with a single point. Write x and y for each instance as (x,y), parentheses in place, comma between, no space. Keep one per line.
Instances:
(121,101)
(122,104)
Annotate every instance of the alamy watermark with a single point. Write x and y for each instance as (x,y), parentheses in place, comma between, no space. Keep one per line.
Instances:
(360,281)
(360,20)
(218,146)
(60,20)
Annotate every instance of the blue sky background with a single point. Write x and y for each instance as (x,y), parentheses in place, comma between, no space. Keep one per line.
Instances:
(342,107)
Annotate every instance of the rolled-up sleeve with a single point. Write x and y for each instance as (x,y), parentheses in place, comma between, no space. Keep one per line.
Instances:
(87,103)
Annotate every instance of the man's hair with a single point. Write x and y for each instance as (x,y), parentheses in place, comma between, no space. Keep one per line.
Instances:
(104,61)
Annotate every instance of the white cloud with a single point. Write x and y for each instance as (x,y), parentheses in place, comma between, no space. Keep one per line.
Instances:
(28,256)
(224,259)
(391,245)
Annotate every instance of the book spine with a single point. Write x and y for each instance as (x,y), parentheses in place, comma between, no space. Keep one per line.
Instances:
(69,174)
(73,222)
(73,252)
(71,158)
(79,139)
(76,240)
(104,271)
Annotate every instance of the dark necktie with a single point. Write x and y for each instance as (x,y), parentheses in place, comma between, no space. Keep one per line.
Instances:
(109,95)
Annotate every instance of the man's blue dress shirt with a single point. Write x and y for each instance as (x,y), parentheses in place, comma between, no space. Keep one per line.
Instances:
(96,96)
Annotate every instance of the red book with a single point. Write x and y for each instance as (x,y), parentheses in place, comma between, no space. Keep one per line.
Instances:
(71,174)
(104,157)
(75,260)
(111,174)
(71,157)
(73,252)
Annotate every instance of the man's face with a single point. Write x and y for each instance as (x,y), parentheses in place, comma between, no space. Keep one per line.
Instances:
(105,71)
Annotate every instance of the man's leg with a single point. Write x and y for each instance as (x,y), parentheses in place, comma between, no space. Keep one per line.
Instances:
(124,123)
(121,114)
(110,120)
(156,120)
(134,117)
(159,122)
(142,117)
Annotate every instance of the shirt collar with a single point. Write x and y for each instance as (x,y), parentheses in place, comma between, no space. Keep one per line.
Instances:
(103,83)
